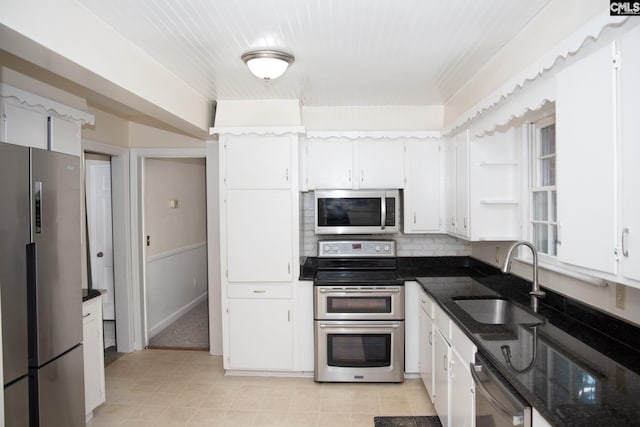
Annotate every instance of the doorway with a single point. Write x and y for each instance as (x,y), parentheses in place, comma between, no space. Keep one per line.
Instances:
(175,252)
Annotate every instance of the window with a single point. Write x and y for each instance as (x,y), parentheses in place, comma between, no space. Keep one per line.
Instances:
(542,186)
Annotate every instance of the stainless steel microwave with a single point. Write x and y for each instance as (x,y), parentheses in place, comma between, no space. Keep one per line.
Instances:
(357,211)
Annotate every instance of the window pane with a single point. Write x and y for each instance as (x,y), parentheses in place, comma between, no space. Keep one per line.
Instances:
(552,207)
(540,208)
(548,171)
(553,239)
(548,140)
(540,237)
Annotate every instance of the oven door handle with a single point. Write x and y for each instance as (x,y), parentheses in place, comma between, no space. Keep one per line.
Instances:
(360,291)
(359,325)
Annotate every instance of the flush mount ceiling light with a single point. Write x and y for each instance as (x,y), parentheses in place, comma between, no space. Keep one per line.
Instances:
(267,64)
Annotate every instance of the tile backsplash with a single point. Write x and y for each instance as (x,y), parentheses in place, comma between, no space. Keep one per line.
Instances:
(408,244)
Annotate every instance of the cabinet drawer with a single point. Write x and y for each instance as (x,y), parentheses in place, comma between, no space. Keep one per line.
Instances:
(442,321)
(462,344)
(259,291)
(90,309)
(426,303)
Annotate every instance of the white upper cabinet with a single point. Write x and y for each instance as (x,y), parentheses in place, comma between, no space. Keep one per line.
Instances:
(629,153)
(329,164)
(23,126)
(361,164)
(482,186)
(586,174)
(258,161)
(422,189)
(381,164)
(33,121)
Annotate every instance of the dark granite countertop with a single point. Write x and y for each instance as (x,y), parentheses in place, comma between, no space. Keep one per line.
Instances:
(587,369)
(88,294)
(582,374)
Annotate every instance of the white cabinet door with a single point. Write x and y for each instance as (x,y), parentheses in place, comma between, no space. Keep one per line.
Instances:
(93,353)
(64,136)
(586,163)
(381,164)
(630,153)
(426,351)
(260,334)
(330,165)
(461,393)
(450,186)
(462,184)
(258,161)
(422,189)
(259,236)
(22,126)
(411,327)
(441,359)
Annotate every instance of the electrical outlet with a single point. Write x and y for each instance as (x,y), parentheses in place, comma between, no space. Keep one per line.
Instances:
(620,296)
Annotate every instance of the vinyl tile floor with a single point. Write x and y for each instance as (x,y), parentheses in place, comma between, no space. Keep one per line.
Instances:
(189,388)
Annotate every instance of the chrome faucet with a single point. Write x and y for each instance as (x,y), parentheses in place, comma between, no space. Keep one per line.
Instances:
(535,286)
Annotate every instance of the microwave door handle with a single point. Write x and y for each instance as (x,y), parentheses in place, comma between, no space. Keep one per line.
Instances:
(383,211)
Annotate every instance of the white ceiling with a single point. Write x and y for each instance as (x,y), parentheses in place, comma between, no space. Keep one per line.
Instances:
(348,52)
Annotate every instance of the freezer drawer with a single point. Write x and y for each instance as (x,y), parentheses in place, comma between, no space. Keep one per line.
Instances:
(16,403)
(57,391)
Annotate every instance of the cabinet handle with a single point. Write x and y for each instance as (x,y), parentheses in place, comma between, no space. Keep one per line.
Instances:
(625,234)
(349,175)
(259,291)
(288,268)
(414,217)
(362,175)
(445,363)
(465,222)
(559,234)
(288,315)
(430,338)
(453,220)
(286,174)
(86,315)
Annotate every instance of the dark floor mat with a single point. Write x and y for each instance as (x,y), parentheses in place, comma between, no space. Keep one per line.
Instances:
(433,421)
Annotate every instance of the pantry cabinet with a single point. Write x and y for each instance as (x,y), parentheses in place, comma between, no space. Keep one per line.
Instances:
(259,240)
(422,189)
(361,164)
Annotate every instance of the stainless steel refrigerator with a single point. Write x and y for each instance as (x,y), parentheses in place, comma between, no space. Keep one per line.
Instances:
(40,285)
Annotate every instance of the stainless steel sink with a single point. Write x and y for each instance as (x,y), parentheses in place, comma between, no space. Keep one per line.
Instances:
(496,311)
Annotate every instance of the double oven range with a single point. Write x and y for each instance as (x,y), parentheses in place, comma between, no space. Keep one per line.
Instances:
(358,312)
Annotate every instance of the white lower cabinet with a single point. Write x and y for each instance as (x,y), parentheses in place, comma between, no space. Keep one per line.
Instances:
(426,342)
(93,352)
(453,388)
(260,334)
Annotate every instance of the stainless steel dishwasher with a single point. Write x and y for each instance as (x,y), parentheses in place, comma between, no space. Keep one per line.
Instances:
(497,403)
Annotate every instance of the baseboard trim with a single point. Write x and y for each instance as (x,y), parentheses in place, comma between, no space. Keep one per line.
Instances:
(175,315)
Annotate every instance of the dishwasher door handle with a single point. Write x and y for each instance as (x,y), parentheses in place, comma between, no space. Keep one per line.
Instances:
(518,419)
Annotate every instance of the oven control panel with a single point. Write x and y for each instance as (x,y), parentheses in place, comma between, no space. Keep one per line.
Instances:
(356,248)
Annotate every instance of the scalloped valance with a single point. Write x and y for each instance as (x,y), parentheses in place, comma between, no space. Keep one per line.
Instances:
(327,134)
(535,86)
(258,130)
(45,105)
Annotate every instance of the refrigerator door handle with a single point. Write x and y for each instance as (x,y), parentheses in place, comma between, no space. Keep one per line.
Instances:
(38,207)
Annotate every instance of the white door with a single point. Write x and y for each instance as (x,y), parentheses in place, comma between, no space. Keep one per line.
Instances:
(99,227)
(426,351)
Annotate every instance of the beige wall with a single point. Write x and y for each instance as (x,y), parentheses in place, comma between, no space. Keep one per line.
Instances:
(174,179)
(108,129)
(555,23)
(142,136)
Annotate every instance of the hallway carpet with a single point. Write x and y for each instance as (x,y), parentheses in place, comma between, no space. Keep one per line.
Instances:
(191,331)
